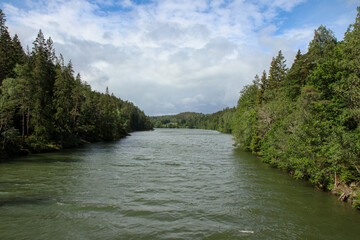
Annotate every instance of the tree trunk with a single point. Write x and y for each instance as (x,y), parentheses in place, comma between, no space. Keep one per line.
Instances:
(3,147)
(27,122)
(23,118)
(335,178)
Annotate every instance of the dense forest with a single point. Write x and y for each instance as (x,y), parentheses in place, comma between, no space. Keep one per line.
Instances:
(303,119)
(220,121)
(44,106)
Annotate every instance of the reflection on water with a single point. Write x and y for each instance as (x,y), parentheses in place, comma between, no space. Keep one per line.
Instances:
(165,184)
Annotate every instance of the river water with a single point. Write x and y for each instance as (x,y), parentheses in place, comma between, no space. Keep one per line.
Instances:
(164,184)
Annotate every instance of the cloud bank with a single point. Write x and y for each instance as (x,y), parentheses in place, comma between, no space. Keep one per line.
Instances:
(165,56)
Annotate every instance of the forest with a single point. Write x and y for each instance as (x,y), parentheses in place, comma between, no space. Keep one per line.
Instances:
(305,118)
(45,107)
(220,121)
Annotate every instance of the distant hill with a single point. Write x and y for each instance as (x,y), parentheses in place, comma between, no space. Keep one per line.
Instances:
(220,121)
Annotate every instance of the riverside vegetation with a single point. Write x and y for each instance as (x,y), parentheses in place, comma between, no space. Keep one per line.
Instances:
(44,107)
(220,121)
(304,119)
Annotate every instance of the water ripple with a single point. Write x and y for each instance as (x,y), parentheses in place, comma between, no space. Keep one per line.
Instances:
(165,184)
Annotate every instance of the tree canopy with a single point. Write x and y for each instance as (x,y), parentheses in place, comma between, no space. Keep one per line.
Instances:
(306,118)
(43,106)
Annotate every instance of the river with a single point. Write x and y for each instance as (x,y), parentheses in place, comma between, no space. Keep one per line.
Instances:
(164,184)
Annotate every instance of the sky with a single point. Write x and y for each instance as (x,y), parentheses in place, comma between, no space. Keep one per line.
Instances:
(172,56)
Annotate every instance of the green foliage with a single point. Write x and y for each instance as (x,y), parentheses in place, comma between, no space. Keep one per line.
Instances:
(356,203)
(220,121)
(43,107)
(245,117)
(306,119)
(11,51)
(8,104)
(323,42)
(277,72)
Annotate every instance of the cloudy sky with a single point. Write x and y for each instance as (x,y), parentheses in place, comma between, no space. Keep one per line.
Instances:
(171,56)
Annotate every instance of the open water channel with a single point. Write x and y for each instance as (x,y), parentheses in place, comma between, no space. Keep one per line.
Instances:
(164,184)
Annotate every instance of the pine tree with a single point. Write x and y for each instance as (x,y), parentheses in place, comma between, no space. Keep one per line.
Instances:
(43,78)
(18,51)
(277,72)
(6,62)
(62,101)
(77,97)
(42,103)
(297,75)
(322,44)
(3,27)
(262,86)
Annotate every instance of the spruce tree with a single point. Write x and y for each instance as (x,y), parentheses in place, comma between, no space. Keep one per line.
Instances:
(18,51)
(322,44)
(277,71)
(62,101)
(262,86)
(43,77)
(296,76)
(77,98)
(7,62)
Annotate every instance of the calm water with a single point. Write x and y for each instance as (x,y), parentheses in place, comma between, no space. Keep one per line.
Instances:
(165,184)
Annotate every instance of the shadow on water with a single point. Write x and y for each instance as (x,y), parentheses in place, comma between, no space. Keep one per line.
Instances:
(260,168)
(239,153)
(70,155)
(15,201)
(12,183)
(48,159)
(64,156)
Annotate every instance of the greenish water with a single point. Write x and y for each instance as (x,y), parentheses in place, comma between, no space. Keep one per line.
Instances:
(165,184)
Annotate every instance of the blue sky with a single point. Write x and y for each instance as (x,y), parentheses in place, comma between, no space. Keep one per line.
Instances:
(171,56)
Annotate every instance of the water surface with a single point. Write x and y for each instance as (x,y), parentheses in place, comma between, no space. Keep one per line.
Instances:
(164,184)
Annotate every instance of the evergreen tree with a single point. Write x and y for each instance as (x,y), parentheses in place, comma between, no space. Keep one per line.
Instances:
(277,71)
(322,44)
(18,51)
(296,76)
(8,105)
(3,27)
(262,86)
(62,102)
(349,88)
(77,98)
(43,78)
(244,125)
(6,61)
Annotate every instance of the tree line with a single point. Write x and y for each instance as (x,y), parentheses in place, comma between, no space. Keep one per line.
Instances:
(44,106)
(303,119)
(220,121)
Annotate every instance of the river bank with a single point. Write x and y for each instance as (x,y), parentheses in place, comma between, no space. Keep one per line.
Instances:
(30,147)
(163,184)
(348,193)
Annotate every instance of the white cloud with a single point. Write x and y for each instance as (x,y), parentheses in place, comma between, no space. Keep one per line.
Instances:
(166,56)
